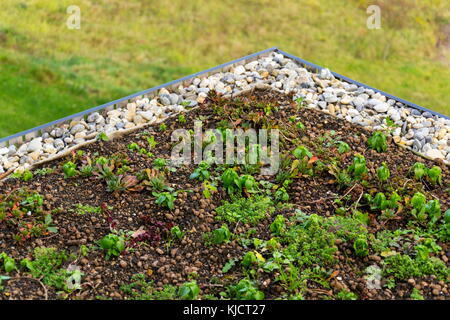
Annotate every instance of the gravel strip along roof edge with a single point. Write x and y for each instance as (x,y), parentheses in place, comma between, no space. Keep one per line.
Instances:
(422,130)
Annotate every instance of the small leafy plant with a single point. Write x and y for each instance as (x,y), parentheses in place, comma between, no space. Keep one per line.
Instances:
(189,291)
(69,169)
(230,180)
(113,244)
(9,264)
(208,189)
(378,141)
(383,172)
(202,172)
(165,199)
(103,137)
(278,226)
(343,147)
(159,163)
(245,290)
(218,236)
(433,175)
(421,209)
(358,168)
(176,232)
(361,246)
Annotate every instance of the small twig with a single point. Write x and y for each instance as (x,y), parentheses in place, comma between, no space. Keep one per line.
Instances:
(357,201)
(214,285)
(348,192)
(51,236)
(318,200)
(328,293)
(7,173)
(407,180)
(237,224)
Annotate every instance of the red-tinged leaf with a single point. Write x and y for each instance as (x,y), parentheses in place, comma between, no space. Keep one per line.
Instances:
(333,274)
(313,159)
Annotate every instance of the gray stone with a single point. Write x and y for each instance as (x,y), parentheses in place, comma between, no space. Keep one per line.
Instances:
(329,97)
(427,114)
(417,145)
(420,134)
(228,78)
(427,147)
(59,144)
(93,117)
(351,87)
(164,99)
(22,149)
(353,112)
(322,104)
(239,70)
(203,90)
(57,132)
(77,128)
(12,150)
(34,145)
(426,124)
(174,98)
(325,74)
(381,107)
(404,127)
(359,102)
(68,140)
(24,159)
(3,151)
(147,115)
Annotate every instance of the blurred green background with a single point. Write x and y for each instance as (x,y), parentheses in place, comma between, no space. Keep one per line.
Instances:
(48,71)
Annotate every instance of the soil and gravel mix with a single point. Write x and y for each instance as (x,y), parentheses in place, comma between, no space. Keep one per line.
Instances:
(322,233)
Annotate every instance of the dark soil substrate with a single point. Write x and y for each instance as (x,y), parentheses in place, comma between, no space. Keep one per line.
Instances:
(195,215)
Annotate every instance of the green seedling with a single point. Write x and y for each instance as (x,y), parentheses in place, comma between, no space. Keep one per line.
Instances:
(177,233)
(69,169)
(202,172)
(165,199)
(343,147)
(189,291)
(378,141)
(383,172)
(9,264)
(113,244)
(361,246)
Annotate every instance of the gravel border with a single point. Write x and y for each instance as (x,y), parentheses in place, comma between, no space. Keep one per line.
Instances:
(422,132)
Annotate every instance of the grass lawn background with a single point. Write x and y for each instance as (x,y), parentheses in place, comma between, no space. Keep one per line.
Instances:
(48,71)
